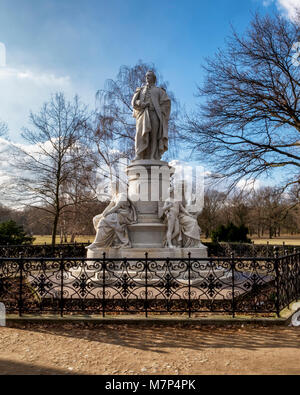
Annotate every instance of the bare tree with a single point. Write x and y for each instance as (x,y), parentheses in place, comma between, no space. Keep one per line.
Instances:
(3,156)
(3,133)
(56,156)
(269,209)
(107,154)
(5,213)
(210,216)
(248,121)
(78,191)
(3,128)
(239,209)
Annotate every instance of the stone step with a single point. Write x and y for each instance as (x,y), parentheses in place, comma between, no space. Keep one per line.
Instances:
(139,253)
(149,219)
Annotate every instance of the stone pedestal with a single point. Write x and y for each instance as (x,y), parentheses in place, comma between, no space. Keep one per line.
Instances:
(148,188)
(147,235)
(139,253)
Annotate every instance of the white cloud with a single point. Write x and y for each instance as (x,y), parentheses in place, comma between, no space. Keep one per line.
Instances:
(31,77)
(248,185)
(10,152)
(288,7)
(10,155)
(25,90)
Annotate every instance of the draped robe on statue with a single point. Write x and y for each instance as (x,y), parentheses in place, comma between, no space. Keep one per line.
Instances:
(186,231)
(111,225)
(160,109)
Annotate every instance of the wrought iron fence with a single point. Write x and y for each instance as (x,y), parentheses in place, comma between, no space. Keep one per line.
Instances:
(177,286)
(248,249)
(43,250)
(79,250)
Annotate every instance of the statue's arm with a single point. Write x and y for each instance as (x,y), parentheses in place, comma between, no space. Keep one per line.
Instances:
(108,209)
(184,211)
(136,102)
(166,207)
(118,203)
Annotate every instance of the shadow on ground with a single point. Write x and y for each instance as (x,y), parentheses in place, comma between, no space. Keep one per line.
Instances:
(16,368)
(156,338)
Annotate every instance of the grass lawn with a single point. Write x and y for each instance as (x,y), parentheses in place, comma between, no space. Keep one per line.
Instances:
(47,239)
(287,239)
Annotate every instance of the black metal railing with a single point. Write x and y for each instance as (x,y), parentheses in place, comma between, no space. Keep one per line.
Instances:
(79,250)
(44,250)
(104,286)
(248,249)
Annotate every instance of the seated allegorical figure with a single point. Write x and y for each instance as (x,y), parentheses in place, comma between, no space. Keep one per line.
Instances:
(111,225)
(183,229)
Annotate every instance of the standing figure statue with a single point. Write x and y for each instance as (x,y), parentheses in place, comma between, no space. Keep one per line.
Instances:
(112,225)
(152,108)
(183,230)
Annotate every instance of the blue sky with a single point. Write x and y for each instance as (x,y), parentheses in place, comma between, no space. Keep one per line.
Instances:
(75,45)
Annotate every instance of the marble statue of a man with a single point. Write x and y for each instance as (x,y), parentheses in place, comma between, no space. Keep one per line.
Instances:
(152,108)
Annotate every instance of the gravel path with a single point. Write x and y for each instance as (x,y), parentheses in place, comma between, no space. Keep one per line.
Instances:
(126,349)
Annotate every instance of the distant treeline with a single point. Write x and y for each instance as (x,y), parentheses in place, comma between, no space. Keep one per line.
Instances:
(265,212)
(74,221)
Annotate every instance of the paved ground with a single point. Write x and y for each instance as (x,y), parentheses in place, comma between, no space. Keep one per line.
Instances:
(126,349)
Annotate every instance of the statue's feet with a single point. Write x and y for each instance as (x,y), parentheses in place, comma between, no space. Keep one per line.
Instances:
(123,246)
(91,246)
(170,245)
(126,246)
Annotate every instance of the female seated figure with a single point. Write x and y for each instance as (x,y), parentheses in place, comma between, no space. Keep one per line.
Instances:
(111,225)
(183,229)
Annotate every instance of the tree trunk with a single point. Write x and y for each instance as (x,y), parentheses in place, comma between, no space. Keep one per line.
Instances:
(54,230)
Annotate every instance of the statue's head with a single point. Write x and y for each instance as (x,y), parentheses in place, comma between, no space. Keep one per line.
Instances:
(150,77)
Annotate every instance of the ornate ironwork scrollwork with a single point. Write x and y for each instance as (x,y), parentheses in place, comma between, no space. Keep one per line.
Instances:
(220,285)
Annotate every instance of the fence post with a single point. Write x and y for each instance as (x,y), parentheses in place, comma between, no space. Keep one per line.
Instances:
(21,262)
(277,279)
(294,269)
(103,284)
(297,272)
(146,284)
(233,283)
(189,274)
(62,269)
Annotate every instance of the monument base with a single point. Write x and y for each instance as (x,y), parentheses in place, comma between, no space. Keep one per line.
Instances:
(139,253)
(147,235)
